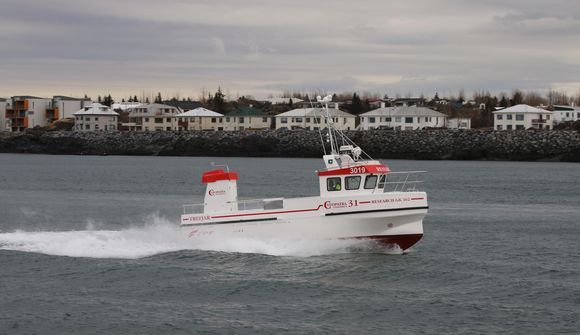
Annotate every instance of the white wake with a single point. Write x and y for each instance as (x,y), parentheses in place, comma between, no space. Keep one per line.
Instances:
(162,237)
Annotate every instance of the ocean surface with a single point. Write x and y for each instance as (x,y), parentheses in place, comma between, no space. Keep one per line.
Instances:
(90,245)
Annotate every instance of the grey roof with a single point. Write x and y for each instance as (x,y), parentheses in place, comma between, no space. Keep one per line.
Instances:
(96,109)
(62,97)
(199,112)
(314,112)
(404,111)
(522,108)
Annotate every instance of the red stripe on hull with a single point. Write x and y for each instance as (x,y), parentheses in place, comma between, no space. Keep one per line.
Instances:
(403,241)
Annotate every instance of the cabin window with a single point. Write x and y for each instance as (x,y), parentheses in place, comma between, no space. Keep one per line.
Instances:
(352,183)
(519,117)
(370,182)
(333,184)
(382,181)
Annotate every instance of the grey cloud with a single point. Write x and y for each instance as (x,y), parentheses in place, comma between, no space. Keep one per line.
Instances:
(252,48)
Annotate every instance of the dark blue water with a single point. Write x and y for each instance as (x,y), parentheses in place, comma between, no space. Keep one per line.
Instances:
(90,245)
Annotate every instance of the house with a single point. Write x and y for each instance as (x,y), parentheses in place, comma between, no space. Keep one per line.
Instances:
(61,107)
(313,118)
(402,102)
(247,118)
(182,105)
(26,112)
(125,105)
(402,118)
(566,114)
(522,116)
(3,121)
(199,119)
(95,117)
(459,123)
(152,117)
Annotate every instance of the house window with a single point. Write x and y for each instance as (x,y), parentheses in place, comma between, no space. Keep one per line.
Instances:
(88,119)
(509,127)
(87,127)
(96,127)
(520,127)
(227,119)
(298,119)
(371,182)
(333,184)
(283,120)
(307,120)
(146,119)
(388,119)
(519,117)
(264,119)
(317,120)
(426,119)
(397,119)
(547,117)
(352,183)
(408,120)
(371,120)
(499,127)
(241,119)
(158,120)
(213,120)
(168,119)
(499,117)
(508,117)
(96,118)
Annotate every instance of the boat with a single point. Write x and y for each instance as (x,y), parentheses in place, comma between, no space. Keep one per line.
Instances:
(360,198)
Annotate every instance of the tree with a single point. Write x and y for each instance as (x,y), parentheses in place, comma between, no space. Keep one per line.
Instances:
(99,99)
(108,100)
(158,98)
(147,100)
(356,106)
(517,98)
(218,102)
(135,99)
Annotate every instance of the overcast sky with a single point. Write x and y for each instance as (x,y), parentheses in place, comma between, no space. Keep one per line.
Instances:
(262,47)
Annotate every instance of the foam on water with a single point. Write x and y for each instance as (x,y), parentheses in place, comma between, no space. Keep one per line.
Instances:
(161,236)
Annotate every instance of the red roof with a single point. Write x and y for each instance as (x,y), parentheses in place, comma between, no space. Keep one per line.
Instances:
(358,169)
(217,175)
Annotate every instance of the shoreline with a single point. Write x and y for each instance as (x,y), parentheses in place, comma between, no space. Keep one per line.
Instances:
(440,144)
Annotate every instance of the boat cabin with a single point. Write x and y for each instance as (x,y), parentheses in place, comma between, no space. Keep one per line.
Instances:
(345,174)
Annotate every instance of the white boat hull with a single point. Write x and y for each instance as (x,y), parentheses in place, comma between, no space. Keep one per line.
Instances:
(391,218)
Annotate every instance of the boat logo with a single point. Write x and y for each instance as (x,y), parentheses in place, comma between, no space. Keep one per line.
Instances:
(216,192)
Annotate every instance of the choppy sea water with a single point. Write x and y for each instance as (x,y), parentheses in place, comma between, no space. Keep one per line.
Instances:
(90,245)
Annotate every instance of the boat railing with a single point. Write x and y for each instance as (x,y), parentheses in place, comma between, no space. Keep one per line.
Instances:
(406,181)
(193,209)
(242,205)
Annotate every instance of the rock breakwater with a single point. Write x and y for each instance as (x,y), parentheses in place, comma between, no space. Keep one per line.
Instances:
(419,144)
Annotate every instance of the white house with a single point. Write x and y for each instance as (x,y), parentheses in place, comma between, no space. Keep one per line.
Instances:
(402,118)
(244,118)
(313,118)
(152,117)
(566,114)
(459,123)
(61,107)
(95,117)
(27,112)
(199,119)
(521,117)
